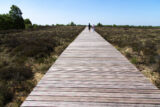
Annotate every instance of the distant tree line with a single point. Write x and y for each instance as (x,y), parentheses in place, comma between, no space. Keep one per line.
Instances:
(14,19)
(126,26)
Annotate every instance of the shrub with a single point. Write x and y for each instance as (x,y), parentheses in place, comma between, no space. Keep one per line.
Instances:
(16,73)
(150,48)
(150,51)
(136,45)
(99,24)
(28,26)
(72,24)
(134,60)
(27,21)
(6,94)
(35,26)
(25,50)
(6,22)
(114,25)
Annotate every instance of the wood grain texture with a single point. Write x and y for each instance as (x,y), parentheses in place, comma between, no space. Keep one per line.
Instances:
(92,73)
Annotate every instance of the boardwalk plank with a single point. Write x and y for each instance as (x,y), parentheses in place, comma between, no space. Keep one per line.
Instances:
(83,104)
(94,99)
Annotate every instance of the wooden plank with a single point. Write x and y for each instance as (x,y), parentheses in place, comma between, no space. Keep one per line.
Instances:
(94,99)
(98,86)
(96,82)
(100,90)
(81,104)
(92,73)
(95,94)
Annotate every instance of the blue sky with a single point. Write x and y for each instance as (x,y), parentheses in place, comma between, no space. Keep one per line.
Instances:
(120,12)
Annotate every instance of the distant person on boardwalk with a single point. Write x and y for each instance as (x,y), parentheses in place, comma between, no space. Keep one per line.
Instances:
(89,26)
(93,27)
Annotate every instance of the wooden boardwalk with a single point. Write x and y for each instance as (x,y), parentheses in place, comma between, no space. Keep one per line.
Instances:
(92,73)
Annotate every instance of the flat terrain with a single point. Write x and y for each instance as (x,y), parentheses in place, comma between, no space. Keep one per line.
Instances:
(26,55)
(92,73)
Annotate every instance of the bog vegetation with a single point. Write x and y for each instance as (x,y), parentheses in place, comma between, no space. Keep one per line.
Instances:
(26,53)
(141,45)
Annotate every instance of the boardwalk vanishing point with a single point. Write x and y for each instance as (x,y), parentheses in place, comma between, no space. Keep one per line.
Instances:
(92,73)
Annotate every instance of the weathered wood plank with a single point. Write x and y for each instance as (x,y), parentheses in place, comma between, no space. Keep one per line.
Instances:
(81,104)
(100,90)
(94,94)
(94,99)
(96,82)
(98,86)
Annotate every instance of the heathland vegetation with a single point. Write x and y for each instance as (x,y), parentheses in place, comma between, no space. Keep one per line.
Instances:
(26,53)
(140,44)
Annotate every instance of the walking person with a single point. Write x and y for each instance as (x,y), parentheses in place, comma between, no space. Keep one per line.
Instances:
(93,27)
(89,26)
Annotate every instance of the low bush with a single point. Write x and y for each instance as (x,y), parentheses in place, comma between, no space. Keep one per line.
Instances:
(15,73)
(6,94)
(26,53)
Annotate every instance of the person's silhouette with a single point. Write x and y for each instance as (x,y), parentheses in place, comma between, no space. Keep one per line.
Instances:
(89,26)
(93,27)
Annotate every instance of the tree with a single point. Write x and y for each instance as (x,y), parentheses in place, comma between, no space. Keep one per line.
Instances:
(114,25)
(28,23)
(6,22)
(14,20)
(72,24)
(16,15)
(99,24)
(35,26)
(15,11)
